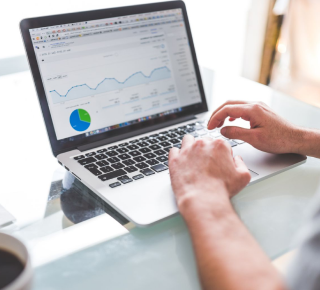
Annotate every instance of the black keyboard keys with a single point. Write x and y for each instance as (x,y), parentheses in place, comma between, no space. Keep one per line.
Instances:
(162,158)
(171,135)
(139,176)
(150,155)
(117,165)
(144,150)
(159,168)
(106,169)
(177,145)
(142,165)
(153,141)
(143,144)
(111,175)
(174,141)
(102,163)
(78,157)
(128,162)
(133,147)
(134,153)
(113,147)
(139,159)
(147,172)
(123,144)
(166,163)
(162,138)
(111,153)
(122,150)
(101,156)
(167,149)
(87,160)
(113,159)
(124,179)
(115,184)
(155,147)
(160,152)
(102,150)
(180,133)
(130,169)
(124,156)
(152,162)
(165,144)
(93,169)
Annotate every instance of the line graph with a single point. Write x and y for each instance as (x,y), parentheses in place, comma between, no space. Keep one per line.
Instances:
(111,84)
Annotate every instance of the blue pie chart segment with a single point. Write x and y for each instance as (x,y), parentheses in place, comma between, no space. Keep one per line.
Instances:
(80,120)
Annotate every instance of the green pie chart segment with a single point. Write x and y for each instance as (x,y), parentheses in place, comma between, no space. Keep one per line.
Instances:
(80,120)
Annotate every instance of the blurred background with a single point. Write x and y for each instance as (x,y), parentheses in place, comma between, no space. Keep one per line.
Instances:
(274,42)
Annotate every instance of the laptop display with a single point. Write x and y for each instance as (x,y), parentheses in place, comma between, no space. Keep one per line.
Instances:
(106,74)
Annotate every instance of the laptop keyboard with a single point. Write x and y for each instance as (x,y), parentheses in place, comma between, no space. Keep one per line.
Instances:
(145,156)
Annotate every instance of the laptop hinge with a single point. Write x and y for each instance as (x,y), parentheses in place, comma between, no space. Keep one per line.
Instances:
(134,133)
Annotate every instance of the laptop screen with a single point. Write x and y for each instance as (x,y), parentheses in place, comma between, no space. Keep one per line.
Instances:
(106,74)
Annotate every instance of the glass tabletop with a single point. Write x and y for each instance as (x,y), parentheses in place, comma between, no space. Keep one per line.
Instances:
(78,242)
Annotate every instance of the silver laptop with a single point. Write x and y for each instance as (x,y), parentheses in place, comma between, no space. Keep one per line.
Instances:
(118,89)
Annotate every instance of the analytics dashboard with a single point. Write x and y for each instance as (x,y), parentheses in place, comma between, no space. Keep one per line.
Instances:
(105,74)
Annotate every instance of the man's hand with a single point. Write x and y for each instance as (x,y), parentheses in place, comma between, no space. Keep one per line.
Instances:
(204,172)
(269,132)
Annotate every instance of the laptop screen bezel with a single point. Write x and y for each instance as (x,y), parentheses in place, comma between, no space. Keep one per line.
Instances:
(59,146)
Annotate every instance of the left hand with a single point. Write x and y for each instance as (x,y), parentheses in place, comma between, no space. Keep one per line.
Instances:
(203,173)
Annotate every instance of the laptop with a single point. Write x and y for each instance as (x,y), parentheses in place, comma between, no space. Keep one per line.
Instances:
(118,88)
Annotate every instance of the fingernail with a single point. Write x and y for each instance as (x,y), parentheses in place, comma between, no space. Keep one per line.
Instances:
(223,130)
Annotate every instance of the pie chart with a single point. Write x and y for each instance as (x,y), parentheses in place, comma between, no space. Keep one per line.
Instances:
(80,120)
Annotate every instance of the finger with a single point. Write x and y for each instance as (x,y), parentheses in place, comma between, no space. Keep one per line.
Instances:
(174,152)
(233,132)
(225,104)
(242,168)
(233,111)
(187,141)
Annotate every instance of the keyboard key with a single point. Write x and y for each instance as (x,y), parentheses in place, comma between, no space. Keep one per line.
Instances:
(139,176)
(111,153)
(202,132)
(143,144)
(133,141)
(172,135)
(102,150)
(147,172)
(165,144)
(122,150)
(174,141)
(198,127)
(239,141)
(113,159)
(78,157)
(130,169)
(167,149)
(160,152)
(164,132)
(124,156)
(115,184)
(149,155)
(123,144)
(183,127)
(194,134)
(91,154)
(190,130)
(142,165)
(177,146)
(113,147)
(134,153)
(106,169)
(155,147)
(144,138)
(154,135)
(101,156)
(87,160)
(117,165)
(166,163)
(181,133)
(162,158)
(152,162)
(128,162)
(124,179)
(153,141)
(144,150)
(159,168)
(91,166)
(133,147)
(139,159)
(215,134)
(232,143)
(162,138)
(102,163)
(111,175)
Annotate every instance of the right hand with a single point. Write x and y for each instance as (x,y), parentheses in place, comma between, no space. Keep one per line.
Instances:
(268,132)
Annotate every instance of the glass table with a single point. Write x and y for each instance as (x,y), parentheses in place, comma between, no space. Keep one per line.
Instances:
(78,242)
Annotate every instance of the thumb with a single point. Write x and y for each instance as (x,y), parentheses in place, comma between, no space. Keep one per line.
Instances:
(233,132)
(242,168)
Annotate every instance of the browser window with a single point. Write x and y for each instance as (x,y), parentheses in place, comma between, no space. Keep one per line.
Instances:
(105,74)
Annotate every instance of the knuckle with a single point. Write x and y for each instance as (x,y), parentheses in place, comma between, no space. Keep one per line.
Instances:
(219,143)
(199,143)
(256,107)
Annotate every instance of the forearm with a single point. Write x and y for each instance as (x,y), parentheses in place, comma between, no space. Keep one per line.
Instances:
(227,255)
(308,142)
